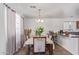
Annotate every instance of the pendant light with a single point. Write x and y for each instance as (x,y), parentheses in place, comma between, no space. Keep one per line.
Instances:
(39,18)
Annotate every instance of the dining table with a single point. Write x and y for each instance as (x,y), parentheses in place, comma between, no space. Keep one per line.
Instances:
(49,42)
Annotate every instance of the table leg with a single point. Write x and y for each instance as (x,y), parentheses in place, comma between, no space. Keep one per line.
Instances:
(29,49)
(50,49)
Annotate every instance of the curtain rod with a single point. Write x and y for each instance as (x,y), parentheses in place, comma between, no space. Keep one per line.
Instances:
(9,7)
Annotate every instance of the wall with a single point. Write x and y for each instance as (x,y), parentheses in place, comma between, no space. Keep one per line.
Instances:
(54,24)
(3,30)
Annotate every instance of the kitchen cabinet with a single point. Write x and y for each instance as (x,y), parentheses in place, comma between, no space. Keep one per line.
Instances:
(70,44)
(77,24)
(69,25)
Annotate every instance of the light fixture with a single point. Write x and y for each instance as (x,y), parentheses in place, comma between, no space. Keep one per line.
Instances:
(39,18)
(42,21)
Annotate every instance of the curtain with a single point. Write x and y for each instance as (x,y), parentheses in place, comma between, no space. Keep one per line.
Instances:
(14,31)
(11,32)
(18,32)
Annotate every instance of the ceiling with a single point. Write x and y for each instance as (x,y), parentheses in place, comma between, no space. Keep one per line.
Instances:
(48,10)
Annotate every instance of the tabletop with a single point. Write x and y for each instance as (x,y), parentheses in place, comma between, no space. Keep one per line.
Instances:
(30,42)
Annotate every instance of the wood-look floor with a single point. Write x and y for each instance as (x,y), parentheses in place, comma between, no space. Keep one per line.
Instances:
(58,51)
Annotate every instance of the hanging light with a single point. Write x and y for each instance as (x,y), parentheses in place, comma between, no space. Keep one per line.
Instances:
(39,18)
(42,21)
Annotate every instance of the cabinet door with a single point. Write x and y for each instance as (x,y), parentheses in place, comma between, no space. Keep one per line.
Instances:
(77,24)
(74,45)
(70,25)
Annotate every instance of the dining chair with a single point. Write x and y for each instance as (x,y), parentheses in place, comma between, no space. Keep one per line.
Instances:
(39,44)
(25,34)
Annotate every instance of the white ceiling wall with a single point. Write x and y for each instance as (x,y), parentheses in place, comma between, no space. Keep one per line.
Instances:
(49,10)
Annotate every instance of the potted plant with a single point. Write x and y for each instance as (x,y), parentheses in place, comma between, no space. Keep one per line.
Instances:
(39,30)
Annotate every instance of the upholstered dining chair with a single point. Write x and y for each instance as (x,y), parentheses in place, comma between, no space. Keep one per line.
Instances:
(27,33)
(39,44)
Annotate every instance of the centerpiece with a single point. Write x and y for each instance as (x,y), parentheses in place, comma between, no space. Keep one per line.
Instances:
(39,30)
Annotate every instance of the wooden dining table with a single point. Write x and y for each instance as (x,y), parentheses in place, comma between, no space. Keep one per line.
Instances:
(49,42)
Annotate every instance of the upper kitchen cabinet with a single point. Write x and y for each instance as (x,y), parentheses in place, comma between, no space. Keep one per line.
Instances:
(77,24)
(69,25)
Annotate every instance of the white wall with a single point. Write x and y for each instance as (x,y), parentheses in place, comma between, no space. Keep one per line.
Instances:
(2,30)
(54,24)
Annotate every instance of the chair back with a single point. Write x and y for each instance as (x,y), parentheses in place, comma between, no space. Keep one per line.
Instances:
(39,44)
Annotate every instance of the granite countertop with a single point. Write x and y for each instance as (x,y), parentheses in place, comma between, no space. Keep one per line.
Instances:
(71,36)
(74,36)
